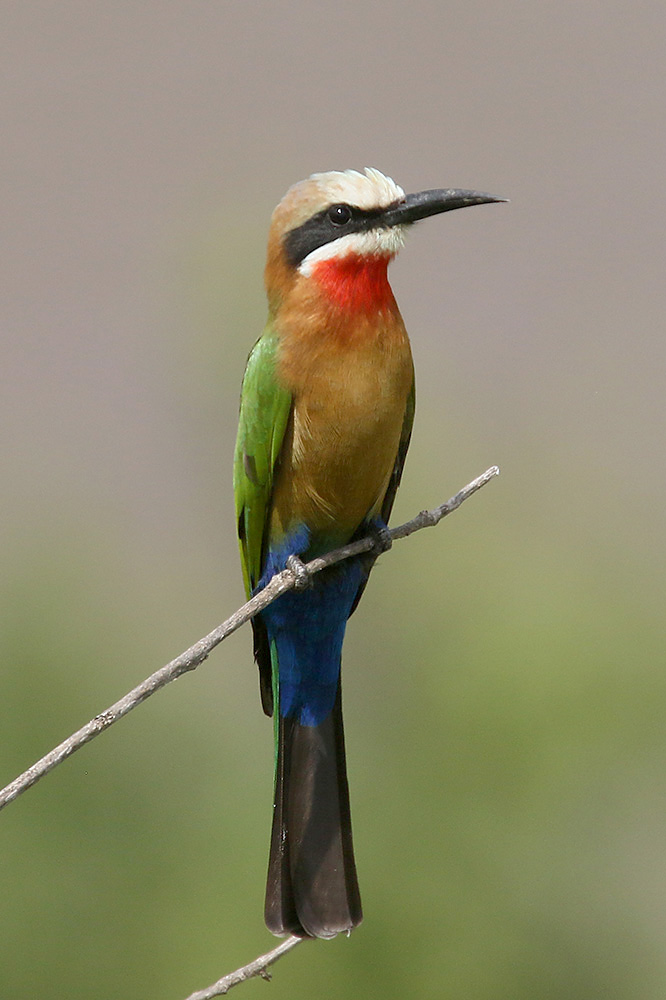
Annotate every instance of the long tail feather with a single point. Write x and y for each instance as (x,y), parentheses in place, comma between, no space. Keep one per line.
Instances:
(312,887)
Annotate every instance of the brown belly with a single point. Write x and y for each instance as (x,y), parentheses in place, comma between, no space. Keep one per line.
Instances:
(341,443)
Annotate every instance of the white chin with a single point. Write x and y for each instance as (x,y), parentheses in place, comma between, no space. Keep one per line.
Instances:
(374,243)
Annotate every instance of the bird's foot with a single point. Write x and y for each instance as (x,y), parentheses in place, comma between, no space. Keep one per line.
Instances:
(301,573)
(381,536)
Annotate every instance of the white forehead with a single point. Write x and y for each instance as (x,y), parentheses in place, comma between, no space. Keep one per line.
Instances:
(370,189)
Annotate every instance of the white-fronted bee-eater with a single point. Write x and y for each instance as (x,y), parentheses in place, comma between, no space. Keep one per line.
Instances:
(325,420)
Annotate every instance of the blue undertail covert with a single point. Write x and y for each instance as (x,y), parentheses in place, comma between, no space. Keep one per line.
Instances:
(307,628)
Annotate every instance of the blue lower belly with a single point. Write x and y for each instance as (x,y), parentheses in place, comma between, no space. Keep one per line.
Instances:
(306,629)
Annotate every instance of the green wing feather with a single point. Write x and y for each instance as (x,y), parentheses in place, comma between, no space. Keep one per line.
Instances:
(264,414)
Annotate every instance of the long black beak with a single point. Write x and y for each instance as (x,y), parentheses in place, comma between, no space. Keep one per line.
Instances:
(426,203)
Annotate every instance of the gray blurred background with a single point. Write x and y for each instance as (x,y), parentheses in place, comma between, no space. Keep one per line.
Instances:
(505,678)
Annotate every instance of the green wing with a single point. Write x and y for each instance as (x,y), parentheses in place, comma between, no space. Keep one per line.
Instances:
(264,413)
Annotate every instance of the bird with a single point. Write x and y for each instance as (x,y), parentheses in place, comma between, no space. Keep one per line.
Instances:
(326,412)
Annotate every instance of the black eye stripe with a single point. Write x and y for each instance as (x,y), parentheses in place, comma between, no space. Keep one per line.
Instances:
(320,230)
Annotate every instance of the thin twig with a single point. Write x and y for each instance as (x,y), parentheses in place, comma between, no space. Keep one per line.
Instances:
(257,968)
(196,654)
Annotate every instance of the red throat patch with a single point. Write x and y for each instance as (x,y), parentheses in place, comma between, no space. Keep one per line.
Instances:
(356,283)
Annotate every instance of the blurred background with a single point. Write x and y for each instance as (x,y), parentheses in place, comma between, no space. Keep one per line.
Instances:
(505,678)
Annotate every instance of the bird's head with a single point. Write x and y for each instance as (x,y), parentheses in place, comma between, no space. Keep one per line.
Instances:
(337,225)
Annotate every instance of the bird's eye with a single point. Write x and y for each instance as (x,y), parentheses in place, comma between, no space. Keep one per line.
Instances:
(339,215)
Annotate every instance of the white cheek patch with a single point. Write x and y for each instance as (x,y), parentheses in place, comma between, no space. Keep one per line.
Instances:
(373,243)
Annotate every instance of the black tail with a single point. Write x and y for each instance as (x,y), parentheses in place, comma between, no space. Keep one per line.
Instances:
(312,888)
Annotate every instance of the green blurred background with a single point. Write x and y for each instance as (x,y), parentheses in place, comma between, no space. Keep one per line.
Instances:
(505,678)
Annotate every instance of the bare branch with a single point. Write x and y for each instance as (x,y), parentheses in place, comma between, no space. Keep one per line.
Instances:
(288,579)
(257,968)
